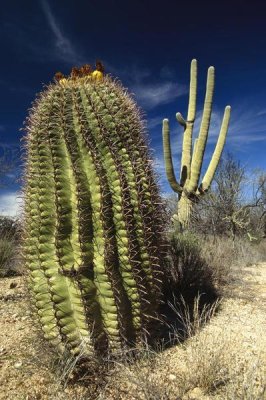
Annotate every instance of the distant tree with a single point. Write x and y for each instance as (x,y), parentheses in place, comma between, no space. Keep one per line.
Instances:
(223,210)
(260,197)
(170,203)
(235,205)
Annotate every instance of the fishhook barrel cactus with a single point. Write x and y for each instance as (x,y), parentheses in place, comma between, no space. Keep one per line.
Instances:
(93,217)
(189,190)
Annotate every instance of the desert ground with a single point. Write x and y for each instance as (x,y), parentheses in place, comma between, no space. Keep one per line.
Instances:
(224,359)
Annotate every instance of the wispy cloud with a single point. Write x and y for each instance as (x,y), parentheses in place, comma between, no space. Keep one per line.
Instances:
(261,112)
(150,89)
(247,126)
(65,50)
(10,204)
(154,122)
(150,95)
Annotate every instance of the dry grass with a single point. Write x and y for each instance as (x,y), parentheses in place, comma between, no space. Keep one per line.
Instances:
(226,256)
(223,359)
(192,319)
(209,265)
(9,257)
(6,254)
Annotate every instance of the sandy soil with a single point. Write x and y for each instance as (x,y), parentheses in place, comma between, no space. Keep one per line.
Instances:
(26,371)
(226,360)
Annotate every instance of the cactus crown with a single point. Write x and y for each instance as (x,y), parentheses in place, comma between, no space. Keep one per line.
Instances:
(85,71)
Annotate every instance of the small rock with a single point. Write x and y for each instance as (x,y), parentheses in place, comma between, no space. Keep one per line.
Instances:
(196,394)
(18,364)
(13,285)
(172,377)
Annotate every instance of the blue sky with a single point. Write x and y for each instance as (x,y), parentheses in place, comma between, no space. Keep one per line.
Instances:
(148,46)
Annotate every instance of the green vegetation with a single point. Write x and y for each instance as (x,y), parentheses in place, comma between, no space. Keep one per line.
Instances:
(93,218)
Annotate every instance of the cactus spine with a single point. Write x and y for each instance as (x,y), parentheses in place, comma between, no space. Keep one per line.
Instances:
(93,220)
(189,190)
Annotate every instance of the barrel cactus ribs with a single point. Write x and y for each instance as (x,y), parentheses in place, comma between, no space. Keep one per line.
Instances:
(93,237)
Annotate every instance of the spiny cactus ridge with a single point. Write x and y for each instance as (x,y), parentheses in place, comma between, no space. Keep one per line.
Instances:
(93,237)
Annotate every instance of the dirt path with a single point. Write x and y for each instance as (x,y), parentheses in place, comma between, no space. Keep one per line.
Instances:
(214,364)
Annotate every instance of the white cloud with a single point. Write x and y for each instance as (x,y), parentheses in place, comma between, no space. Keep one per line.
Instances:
(247,126)
(152,95)
(10,204)
(248,122)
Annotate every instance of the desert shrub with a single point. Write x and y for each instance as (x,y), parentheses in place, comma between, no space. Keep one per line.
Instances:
(6,253)
(9,227)
(188,272)
(189,280)
(9,243)
(235,204)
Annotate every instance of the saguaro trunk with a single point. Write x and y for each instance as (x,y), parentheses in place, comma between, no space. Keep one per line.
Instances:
(184,210)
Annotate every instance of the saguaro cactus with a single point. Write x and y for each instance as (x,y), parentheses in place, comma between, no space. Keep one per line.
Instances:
(189,190)
(93,220)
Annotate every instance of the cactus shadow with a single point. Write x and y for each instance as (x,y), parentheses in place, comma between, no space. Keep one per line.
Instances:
(190,293)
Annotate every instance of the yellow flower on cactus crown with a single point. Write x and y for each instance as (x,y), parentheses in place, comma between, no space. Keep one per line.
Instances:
(63,81)
(97,75)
